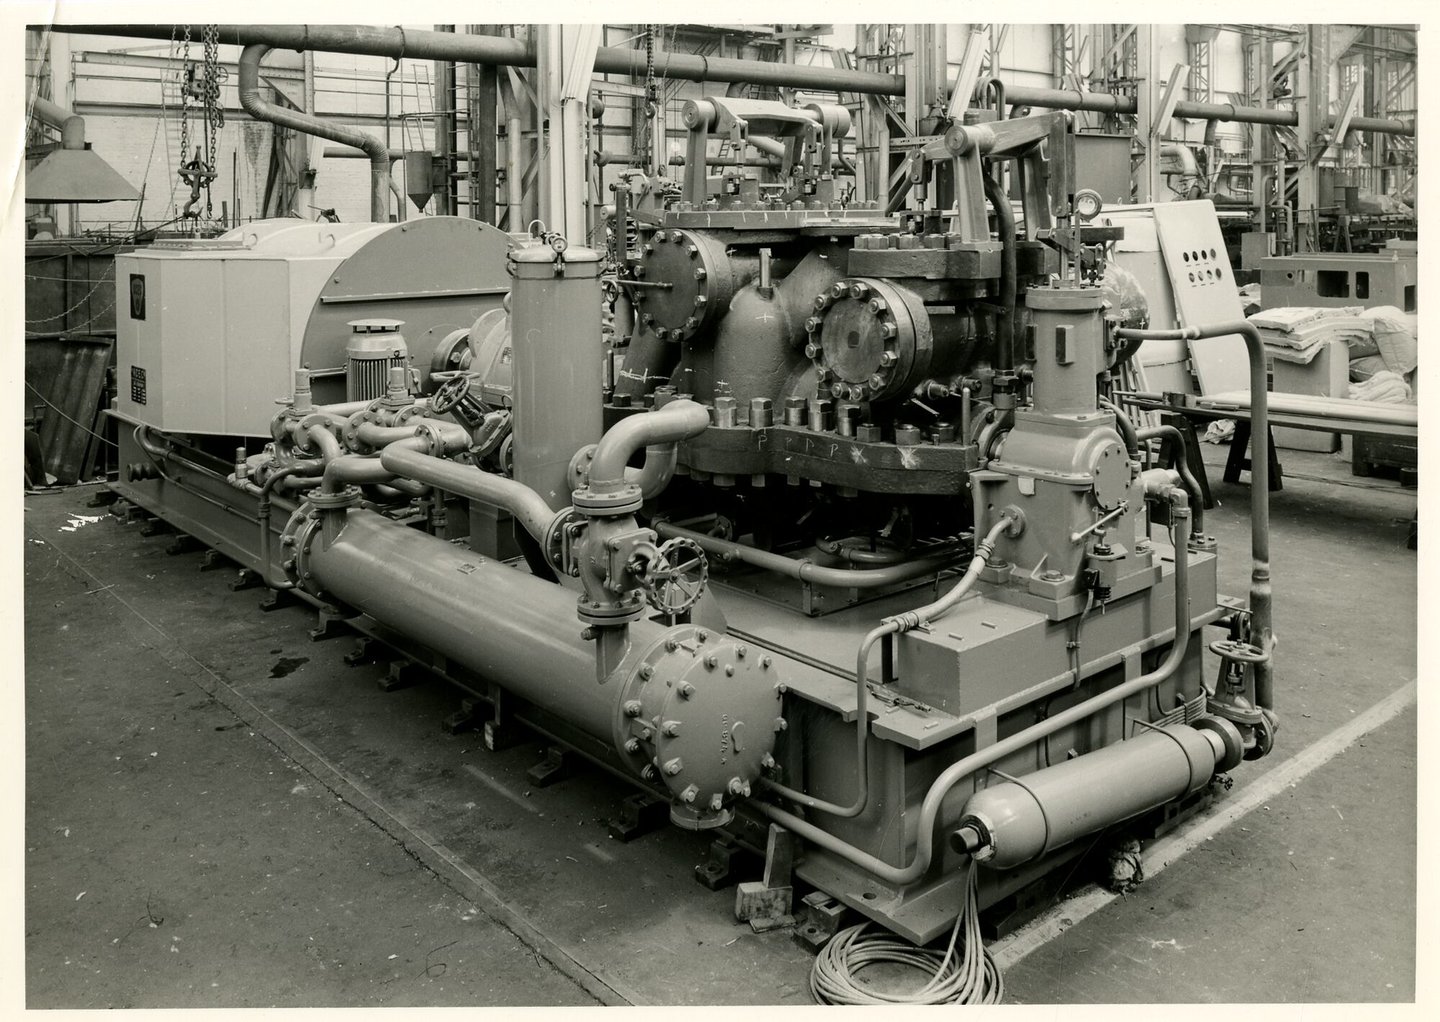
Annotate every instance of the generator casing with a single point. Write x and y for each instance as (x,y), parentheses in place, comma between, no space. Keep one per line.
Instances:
(210,331)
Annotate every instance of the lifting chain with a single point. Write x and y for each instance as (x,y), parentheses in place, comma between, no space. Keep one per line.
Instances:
(185,73)
(652,95)
(214,112)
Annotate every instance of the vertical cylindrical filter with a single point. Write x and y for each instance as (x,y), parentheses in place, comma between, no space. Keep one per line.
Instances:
(375,347)
(1069,339)
(557,347)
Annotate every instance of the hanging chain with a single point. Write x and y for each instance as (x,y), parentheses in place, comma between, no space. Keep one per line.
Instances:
(185,99)
(214,114)
(652,94)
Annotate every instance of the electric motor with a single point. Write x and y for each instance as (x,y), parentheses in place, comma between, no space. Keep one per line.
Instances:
(375,347)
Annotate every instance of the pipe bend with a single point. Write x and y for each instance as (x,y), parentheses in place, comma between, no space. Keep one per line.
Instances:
(678,420)
(528,507)
(257,106)
(658,470)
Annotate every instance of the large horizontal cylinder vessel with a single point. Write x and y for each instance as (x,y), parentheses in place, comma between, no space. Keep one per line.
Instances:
(695,710)
(500,621)
(1028,817)
(555,337)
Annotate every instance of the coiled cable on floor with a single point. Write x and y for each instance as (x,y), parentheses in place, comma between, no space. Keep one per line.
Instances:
(968,975)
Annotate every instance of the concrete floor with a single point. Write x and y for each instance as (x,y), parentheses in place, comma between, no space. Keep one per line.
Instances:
(253,823)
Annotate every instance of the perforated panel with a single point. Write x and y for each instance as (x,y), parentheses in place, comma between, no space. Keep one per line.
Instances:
(1204,288)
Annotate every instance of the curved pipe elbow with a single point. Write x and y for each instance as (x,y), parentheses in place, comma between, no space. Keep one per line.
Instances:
(528,507)
(656,473)
(677,421)
(255,104)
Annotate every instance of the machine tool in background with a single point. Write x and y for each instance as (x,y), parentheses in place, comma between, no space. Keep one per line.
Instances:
(846,555)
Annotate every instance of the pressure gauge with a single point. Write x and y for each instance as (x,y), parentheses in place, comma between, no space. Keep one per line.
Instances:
(1087,204)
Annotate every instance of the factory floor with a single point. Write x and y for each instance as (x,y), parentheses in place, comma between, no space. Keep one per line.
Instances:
(220,812)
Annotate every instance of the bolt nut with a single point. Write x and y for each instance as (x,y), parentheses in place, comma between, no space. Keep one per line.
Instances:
(764,662)
(878,305)
(670,728)
(780,724)
(812,350)
(812,324)
(717,802)
(700,273)
(632,708)
(685,690)
(729,670)
(741,650)
(735,786)
(888,358)
(671,645)
(767,762)
(839,290)
(701,634)
(648,773)
(689,794)
(632,745)
(674,766)
(710,661)
(647,671)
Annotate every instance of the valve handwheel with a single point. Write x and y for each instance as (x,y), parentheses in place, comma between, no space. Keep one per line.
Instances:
(1240,652)
(449,393)
(676,576)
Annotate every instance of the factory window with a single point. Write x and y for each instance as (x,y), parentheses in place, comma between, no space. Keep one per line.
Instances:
(1332,284)
(1409,297)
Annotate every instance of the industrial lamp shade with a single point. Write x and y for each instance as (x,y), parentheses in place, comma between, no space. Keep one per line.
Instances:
(76,175)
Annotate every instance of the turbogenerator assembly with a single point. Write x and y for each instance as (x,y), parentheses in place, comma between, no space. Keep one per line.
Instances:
(838,545)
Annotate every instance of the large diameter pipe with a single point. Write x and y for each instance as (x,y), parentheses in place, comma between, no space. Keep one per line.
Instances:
(557,348)
(1019,821)
(478,49)
(71,124)
(1105,103)
(259,108)
(1261,622)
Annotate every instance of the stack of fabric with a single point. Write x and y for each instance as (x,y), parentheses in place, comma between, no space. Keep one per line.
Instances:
(1299,334)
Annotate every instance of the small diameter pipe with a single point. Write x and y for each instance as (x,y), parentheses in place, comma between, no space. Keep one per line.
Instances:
(953,775)
(358,469)
(889,626)
(678,420)
(454,436)
(1262,626)
(1124,425)
(1182,467)
(1005,225)
(809,571)
(263,517)
(528,507)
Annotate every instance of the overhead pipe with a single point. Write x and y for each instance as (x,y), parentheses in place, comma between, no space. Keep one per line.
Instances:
(71,124)
(475,49)
(261,109)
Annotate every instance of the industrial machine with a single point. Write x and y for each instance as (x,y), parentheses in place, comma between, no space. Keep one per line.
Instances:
(844,551)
